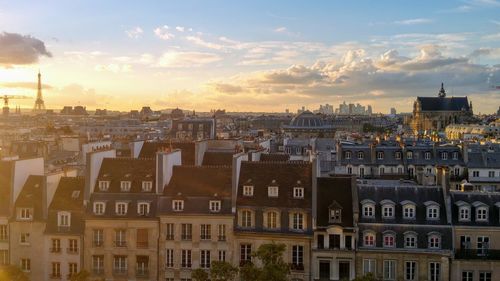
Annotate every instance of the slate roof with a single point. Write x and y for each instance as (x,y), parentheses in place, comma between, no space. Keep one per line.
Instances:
(492,200)
(443,104)
(31,196)
(215,158)
(274,157)
(131,198)
(337,190)
(149,150)
(64,200)
(6,169)
(135,170)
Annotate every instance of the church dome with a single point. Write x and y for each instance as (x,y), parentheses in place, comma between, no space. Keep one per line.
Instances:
(307,119)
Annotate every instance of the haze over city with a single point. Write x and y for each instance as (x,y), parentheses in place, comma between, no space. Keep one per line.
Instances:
(250,56)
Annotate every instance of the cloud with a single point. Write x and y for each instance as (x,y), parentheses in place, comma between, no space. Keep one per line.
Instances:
(17,49)
(225,88)
(25,85)
(76,94)
(491,37)
(413,21)
(176,59)
(280,29)
(198,41)
(113,67)
(135,32)
(163,33)
(180,28)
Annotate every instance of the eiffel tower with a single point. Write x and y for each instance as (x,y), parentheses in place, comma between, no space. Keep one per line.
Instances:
(39,104)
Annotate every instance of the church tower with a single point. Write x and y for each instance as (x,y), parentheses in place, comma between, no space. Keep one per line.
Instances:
(39,104)
(442,93)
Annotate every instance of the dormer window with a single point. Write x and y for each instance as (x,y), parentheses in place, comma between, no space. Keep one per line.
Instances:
(178,205)
(464,213)
(369,239)
(482,213)
(214,206)
(336,215)
(427,156)
(361,155)
(121,208)
(390,240)
(408,210)
(387,209)
(368,208)
(147,186)
(347,155)
(434,241)
(444,155)
(298,192)
(409,155)
(397,155)
(103,185)
(125,186)
(248,190)
(272,191)
(75,194)
(25,214)
(410,239)
(63,219)
(99,208)
(380,155)
(455,155)
(432,210)
(143,208)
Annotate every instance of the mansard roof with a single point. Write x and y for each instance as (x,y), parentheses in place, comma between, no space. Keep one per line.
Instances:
(32,196)
(149,150)
(69,194)
(335,191)
(212,158)
(134,170)
(200,181)
(6,168)
(443,104)
(473,200)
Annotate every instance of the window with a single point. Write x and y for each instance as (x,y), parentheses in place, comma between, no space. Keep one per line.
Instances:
(381,170)
(434,271)
(103,185)
(297,221)
(73,246)
(369,239)
(297,257)
(434,241)
(464,213)
(169,258)
(409,211)
(186,231)
(491,174)
(214,206)
(73,268)
(349,170)
(4,234)
(484,276)
(271,220)
(409,155)
(63,219)
(483,245)
(388,211)
(410,270)
(121,208)
(428,170)
(25,238)
(205,259)
(4,257)
(143,208)
(347,155)
(444,155)
(475,174)
(482,214)
(120,238)
(147,186)
(455,155)
(336,215)
(465,242)
(125,186)
(245,253)
(222,255)
(98,264)
(98,237)
(389,269)
(177,205)
(456,172)
(221,230)
(368,210)
(369,266)
(142,238)
(360,155)
(427,156)
(380,155)
(25,214)
(433,212)
(205,232)
(99,208)
(56,270)
(410,240)
(298,192)
(247,190)
(56,246)
(120,264)
(272,191)
(320,241)
(400,170)
(389,240)
(169,231)
(334,241)
(246,218)
(397,155)
(26,265)
(186,259)
(467,275)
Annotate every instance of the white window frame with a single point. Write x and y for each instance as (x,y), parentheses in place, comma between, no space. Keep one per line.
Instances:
(435,271)
(177,205)
(410,237)
(147,186)
(369,266)
(390,208)
(348,155)
(214,206)
(119,211)
(125,186)
(431,243)
(389,269)
(273,191)
(141,208)
(64,219)
(482,213)
(413,270)
(25,214)
(96,209)
(464,213)
(412,210)
(430,214)
(248,190)
(298,192)
(103,185)
(389,235)
(373,241)
(366,207)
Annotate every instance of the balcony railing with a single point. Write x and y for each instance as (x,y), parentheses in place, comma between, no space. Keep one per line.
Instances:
(55,250)
(120,271)
(72,250)
(169,237)
(477,254)
(120,244)
(142,273)
(97,243)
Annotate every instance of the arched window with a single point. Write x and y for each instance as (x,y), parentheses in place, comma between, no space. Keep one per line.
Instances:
(434,241)
(271,219)
(410,239)
(390,240)
(369,239)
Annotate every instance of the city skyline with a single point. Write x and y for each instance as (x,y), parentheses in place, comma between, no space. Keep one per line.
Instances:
(255,56)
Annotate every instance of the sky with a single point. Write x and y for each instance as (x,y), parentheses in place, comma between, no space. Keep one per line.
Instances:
(250,55)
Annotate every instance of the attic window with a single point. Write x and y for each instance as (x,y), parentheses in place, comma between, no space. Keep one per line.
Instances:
(147,186)
(336,215)
(178,205)
(272,191)
(25,214)
(214,206)
(298,192)
(103,185)
(248,190)
(125,186)
(75,194)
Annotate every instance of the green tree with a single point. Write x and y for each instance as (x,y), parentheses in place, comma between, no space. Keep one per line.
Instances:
(80,276)
(274,268)
(199,275)
(12,273)
(222,271)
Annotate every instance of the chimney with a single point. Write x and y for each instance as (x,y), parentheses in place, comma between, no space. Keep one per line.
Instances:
(237,159)
(465,152)
(165,162)
(94,161)
(135,148)
(373,153)
(339,151)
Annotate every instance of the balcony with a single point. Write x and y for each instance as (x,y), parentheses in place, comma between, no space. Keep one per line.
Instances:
(120,244)
(120,271)
(142,273)
(142,244)
(297,266)
(477,254)
(97,243)
(55,250)
(72,251)
(221,238)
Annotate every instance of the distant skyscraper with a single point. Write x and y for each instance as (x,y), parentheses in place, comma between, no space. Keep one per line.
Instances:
(39,104)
